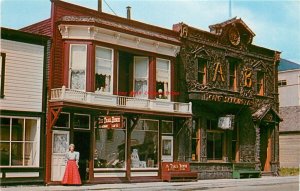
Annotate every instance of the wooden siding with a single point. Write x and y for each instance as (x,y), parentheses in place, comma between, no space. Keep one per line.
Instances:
(41,28)
(23,86)
(289,152)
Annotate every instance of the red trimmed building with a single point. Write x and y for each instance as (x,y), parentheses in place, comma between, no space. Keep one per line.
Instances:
(112,92)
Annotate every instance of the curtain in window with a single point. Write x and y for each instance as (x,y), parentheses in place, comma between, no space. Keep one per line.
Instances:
(78,66)
(141,77)
(163,74)
(104,62)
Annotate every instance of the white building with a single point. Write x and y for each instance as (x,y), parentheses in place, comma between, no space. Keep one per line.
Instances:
(22,106)
(289,103)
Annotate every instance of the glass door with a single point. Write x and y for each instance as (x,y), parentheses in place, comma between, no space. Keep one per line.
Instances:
(60,144)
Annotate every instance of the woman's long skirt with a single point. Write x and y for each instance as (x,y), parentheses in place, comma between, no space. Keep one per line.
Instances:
(72,175)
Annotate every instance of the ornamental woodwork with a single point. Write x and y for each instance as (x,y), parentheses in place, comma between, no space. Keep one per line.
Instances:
(202,45)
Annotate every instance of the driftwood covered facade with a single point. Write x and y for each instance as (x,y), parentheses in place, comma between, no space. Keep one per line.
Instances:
(227,76)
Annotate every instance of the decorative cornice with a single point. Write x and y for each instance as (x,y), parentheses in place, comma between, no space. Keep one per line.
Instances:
(88,32)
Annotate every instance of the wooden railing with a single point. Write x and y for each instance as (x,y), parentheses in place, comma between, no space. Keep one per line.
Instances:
(121,101)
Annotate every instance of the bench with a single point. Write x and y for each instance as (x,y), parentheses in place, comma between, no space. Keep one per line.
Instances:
(245,170)
(177,171)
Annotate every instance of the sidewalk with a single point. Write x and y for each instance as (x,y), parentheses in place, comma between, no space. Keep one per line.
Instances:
(199,185)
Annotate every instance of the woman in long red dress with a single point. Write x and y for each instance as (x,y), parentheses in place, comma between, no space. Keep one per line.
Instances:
(72,176)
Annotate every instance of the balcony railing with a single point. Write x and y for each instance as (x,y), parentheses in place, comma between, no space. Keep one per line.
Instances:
(66,94)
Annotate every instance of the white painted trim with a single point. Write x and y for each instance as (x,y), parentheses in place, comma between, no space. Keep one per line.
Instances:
(135,174)
(21,174)
(109,174)
(86,32)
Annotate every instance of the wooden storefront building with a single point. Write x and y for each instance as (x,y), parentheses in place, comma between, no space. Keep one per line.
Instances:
(232,85)
(22,106)
(112,92)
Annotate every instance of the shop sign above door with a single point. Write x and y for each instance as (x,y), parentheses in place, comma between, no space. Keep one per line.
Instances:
(110,122)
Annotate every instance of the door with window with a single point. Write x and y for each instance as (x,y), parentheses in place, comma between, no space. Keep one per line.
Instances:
(167,148)
(60,143)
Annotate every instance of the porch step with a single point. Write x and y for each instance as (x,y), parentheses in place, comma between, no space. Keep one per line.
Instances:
(267,173)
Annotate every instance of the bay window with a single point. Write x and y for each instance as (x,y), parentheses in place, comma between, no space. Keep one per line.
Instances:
(104,69)
(141,67)
(78,61)
(19,141)
(144,144)
(163,78)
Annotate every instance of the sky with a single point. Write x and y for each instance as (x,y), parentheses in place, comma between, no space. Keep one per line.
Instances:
(276,23)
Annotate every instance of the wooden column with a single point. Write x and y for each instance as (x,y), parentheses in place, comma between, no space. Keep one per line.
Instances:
(173,82)
(257,142)
(128,155)
(115,72)
(90,68)
(152,78)
(66,66)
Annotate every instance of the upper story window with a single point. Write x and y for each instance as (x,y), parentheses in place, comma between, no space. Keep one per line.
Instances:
(232,74)
(260,83)
(104,69)
(78,61)
(282,83)
(141,71)
(163,75)
(2,74)
(202,72)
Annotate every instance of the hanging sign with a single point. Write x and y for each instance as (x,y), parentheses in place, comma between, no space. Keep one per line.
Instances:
(113,122)
(226,122)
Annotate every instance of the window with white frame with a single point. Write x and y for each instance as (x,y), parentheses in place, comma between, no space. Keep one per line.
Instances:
(144,144)
(2,74)
(163,78)
(141,77)
(104,69)
(19,141)
(78,60)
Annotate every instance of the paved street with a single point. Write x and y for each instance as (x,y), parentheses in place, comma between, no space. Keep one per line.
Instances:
(261,184)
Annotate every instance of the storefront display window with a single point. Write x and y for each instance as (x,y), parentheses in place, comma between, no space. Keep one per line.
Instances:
(19,141)
(144,144)
(110,148)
